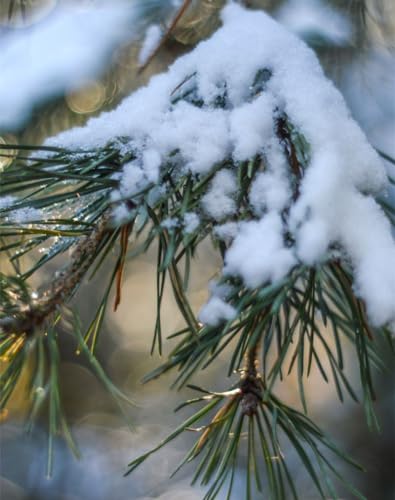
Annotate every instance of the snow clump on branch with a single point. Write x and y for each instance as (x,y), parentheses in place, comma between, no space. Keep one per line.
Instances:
(222,104)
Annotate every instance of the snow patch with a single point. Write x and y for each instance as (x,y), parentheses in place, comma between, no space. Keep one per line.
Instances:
(219,202)
(258,253)
(215,311)
(151,41)
(191,222)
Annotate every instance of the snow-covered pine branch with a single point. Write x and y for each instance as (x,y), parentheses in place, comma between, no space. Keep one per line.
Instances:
(245,140)
(224,101)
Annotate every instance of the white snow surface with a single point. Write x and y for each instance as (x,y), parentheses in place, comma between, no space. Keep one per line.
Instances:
(191,222)
(227,231)
(57,54)
(218,202)
(335,202)
(150,42)
(217,310)
(258,253)
(7,201)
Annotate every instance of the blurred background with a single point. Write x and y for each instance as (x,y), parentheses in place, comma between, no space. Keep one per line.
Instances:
(355,41)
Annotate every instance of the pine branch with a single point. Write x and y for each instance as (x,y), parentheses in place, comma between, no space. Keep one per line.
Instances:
(62,287)
(63,200)
(286,314)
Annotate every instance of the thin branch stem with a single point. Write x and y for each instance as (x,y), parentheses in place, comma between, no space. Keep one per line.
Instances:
(181,11)
(34,314)
(251,379)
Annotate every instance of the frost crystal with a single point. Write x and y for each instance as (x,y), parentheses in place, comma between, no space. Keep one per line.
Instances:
(221,106)
(19,215)
(24,215)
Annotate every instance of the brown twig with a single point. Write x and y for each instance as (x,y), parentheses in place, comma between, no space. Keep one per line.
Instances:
(251,384)
(125,232)
(218,418)
(181,11)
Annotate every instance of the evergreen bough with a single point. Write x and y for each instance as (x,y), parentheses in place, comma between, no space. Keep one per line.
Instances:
(277,328)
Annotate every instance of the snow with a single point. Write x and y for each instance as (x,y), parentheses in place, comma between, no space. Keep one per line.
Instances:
(121,214)
(258,253)
(216,311)
(7,201)
(309,18)
(170,223)
(249,123)
(151,164)
(151,41)
(375,110)
(271,190)
(334,203)
(19,215)
(366,233)
(133,179)
(227,231)
(218,203)
(25,215)
(191,222)
(57,54)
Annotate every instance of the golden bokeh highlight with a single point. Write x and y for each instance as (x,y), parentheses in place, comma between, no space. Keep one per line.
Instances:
(18,405)
(4,413)
(7,156)
(88,99)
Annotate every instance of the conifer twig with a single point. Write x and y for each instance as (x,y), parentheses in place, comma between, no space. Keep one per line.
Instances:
(35,314)
(251,380)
